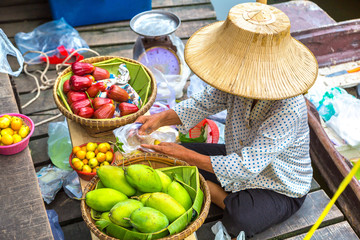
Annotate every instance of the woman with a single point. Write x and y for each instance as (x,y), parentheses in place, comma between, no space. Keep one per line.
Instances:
(258,72)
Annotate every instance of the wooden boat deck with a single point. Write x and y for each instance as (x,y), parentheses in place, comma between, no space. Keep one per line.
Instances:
(117,39)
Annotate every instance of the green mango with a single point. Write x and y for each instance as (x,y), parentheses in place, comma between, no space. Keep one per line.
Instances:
(165,204)
(123,210)
(148,220)
(144,197)
(178,192)
(104,199)
(165,180)
(113,177)
(105,216)
(143,178)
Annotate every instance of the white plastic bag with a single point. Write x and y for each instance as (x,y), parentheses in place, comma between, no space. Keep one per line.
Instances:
(129,136)
(7,48)
(221,234)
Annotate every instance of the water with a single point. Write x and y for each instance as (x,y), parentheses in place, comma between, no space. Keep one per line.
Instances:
(339,10)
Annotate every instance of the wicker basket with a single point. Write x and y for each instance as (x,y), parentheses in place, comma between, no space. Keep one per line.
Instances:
(157,161)
(103,127)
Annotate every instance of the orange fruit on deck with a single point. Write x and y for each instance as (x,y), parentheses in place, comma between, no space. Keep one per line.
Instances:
(87,169)
(109,156)
(78,165)
(24,131)
(102,147)
(4,122)
(101,157)
(76,149)
(85,161)
(7,139)
(7,131)
(16,123)
(81,154)
(17,138)
(90,155)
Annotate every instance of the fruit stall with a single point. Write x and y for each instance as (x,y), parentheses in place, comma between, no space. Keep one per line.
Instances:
(75,97)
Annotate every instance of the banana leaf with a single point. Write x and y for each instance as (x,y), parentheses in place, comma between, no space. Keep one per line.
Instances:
(188,176)
(139,78)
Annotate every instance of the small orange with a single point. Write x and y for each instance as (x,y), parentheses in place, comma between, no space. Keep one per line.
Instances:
(7,131)
(104,163)
(78,165)
(83,148)
(76,149)
(109,156)
(74,160)
(7,139)
(94,170)
(17,138)
(101,157)
(4,122)
(102,148)
(81,154)
(24,131)
(16,123)
(7,116)
(91,146)
(108,146)
(90,155)
(96,151)
(86,169)
(85,161)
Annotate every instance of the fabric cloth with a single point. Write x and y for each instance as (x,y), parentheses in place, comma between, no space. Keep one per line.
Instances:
(252,210)
(267,146)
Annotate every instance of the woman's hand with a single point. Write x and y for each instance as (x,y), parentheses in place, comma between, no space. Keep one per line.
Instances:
(177,151)
(153,122)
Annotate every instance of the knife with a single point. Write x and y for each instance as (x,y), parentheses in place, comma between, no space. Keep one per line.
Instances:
(343,72)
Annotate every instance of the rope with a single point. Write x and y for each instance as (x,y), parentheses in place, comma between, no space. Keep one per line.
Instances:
(47,83)
(341,188)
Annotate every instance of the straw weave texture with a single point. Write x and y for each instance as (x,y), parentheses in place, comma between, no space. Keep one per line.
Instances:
(252,54)
(155,161)
(103,127)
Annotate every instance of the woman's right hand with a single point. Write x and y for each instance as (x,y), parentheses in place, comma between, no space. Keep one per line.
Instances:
(149,123)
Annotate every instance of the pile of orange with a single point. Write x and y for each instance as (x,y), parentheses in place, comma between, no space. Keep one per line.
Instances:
(12,130)
(90,157)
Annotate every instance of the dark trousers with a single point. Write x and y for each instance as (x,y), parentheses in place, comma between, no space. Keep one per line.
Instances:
(251,210)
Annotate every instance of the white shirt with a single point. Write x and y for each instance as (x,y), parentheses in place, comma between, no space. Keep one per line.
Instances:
(267,147)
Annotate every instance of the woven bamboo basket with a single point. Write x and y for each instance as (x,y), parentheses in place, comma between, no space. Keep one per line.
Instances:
(156,161)
(103,127)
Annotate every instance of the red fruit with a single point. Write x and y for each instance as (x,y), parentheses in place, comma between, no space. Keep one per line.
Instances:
(117,93)
(80,83)
(100,74)
(86,112)
(81,68)
(91,77)
(105,111)
(98,102)
(127,108)
(73,96)
(75,106)
(66,86)
(95,88)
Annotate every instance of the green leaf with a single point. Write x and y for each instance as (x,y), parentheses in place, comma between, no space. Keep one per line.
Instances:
(184,138)
(102,224)
(95,214)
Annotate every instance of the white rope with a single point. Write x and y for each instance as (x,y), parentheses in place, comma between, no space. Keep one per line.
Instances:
(48,83)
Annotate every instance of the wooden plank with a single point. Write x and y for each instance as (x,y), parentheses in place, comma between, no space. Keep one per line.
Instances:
(42,130)
(127,36)
(340,230)
(299,223)
(12,28)
(44,102)
(168,3)
(32,11)
(67,209)
(39,151)
(77,230)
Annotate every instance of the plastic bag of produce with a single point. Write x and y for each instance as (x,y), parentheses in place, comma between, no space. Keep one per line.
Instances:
(56,38)
(56,230)
(59,144)
(129,136)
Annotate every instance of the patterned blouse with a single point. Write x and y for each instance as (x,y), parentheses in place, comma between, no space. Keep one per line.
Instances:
(267,147)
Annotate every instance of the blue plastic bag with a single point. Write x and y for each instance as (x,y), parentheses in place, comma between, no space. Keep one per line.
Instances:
(54,224)
(47,38)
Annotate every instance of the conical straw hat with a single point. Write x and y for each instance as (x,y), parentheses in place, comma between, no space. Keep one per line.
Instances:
(252,55)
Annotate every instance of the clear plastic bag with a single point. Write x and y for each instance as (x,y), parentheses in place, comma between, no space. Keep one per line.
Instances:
(72,186)
(56,230)
(50,180)
(7,48)
(221,234)
(47,38)
(59,144)
(129,136)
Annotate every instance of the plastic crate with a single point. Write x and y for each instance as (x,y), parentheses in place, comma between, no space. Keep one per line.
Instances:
(85,12)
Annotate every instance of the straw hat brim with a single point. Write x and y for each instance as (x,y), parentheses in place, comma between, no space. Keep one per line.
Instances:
(257,73)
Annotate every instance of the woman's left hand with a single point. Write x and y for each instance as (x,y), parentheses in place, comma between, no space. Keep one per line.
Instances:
(171,149)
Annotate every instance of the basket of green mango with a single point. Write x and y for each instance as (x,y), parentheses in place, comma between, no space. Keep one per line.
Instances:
(146,196)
